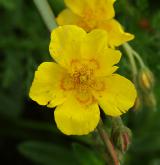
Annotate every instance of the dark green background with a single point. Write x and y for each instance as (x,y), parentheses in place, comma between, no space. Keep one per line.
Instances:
(28,134)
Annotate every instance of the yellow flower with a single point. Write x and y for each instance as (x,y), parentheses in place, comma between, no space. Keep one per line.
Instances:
(93,14)
(80,79)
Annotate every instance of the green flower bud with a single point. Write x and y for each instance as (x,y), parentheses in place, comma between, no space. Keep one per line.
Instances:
(121,137)
(146,79)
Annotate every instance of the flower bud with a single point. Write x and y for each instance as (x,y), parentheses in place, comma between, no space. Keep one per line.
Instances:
(150,101)
(122,138)
(146,79)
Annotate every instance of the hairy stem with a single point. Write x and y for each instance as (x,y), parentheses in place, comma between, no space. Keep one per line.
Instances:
(129,53)
(109,146)
(137,56)
(46,13)
(117,121)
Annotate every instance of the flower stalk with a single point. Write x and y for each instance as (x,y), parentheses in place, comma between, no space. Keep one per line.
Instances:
(129,53)
(46,13)
(136,55)
(109,146)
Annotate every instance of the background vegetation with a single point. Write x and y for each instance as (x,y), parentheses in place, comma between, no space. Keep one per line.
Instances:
(28,134)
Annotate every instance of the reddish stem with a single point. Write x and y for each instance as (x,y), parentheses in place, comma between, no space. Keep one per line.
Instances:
(104,136)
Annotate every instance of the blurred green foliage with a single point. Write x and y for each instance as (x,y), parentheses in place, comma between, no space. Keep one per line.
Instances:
(28,133)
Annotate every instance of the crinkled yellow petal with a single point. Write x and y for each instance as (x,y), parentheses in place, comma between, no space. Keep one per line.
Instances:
(95,49)
(67,17)
(73,118)
(116,34)
(102,9)
(45,88)
(119,95)
(105,9)
(94,44)
(107,59)
(79,6)
(66,43)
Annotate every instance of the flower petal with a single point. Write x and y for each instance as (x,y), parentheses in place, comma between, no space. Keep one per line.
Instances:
(95,48)
(45,88)
(107,59)
(66,43)
(105,9)
(119,95)
(67,17)
(100,55)
(92,9)
(78,6)
(94,44)
(74,119)
(116,35)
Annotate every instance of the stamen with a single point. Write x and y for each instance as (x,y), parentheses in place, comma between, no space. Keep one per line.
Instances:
(82,80)
(85,98)
(98,85)
(94,63)
(67,83)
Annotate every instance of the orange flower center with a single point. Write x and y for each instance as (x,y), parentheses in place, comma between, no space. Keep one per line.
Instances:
(91,18)
(82,80)
(87,21)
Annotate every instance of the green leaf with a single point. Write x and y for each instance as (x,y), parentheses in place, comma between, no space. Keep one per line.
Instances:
(87,156)
(47,153)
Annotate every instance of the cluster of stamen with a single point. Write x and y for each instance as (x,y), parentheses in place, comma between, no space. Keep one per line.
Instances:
(82,80)
(87,21)
(82,77)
